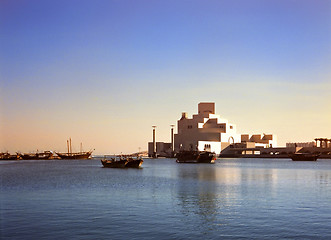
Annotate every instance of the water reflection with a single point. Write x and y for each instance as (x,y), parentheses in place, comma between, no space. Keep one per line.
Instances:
(216,193)
(323,177)
(197,192)
(238,199)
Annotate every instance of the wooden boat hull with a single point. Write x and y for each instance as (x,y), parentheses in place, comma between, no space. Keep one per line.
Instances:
(195,157)
(84,155)
(114,164)
(7,156)
(304,157)
(36,156)
(134,163)
(123,163)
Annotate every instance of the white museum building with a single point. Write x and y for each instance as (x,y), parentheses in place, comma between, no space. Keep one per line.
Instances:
(207,131)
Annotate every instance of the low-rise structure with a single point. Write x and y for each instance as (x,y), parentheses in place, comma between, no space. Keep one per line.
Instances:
(163,149)
(301,144)
(265,140)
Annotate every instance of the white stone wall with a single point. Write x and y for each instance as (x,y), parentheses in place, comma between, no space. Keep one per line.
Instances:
(261,140)
(301,144)
(208,128)
(204,128)
(215,147)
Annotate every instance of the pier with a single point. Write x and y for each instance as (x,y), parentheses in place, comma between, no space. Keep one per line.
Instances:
(234,151)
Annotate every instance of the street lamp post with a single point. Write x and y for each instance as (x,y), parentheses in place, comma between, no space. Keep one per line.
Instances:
(154,143)
(172,141)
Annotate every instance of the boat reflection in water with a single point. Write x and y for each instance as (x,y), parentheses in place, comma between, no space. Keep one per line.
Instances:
(195,157)
(122,162)
(198,193)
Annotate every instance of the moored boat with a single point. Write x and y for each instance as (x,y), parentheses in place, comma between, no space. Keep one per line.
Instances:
(79,155)
(113,163)
(304,156)
(122,162)
(74,155)
(195,157)
(134,163)
(8,156)
(36,156)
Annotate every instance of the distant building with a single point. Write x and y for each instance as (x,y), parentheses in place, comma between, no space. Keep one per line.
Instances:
(162,149)
(301,144)
(207,131)
(265,141)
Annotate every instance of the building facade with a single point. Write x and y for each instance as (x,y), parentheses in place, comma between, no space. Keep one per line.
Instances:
(162,149)
(205,131)
(264,140)
(301,144)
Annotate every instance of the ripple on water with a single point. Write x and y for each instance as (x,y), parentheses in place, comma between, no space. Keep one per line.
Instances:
(248,199)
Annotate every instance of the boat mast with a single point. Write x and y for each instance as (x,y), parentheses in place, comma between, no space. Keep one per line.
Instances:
(70,147)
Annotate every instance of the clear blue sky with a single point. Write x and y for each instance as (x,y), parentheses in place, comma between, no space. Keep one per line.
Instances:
(104,72)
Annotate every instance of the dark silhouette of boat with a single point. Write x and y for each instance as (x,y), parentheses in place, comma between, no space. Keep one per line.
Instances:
(195,157)
(79,155)
(36,156)
(76,155)
(304,156)
(122,162)
(134,163)
(114,163)
(8,156)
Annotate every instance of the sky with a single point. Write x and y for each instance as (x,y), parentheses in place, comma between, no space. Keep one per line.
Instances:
(103,72)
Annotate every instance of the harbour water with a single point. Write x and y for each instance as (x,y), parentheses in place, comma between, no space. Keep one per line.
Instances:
(231,199)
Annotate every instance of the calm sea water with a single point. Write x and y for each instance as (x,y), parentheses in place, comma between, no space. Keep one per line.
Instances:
(232,199)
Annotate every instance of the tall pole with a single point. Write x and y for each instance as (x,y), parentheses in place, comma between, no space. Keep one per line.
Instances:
(154,143)
(172,140)
(70,146)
